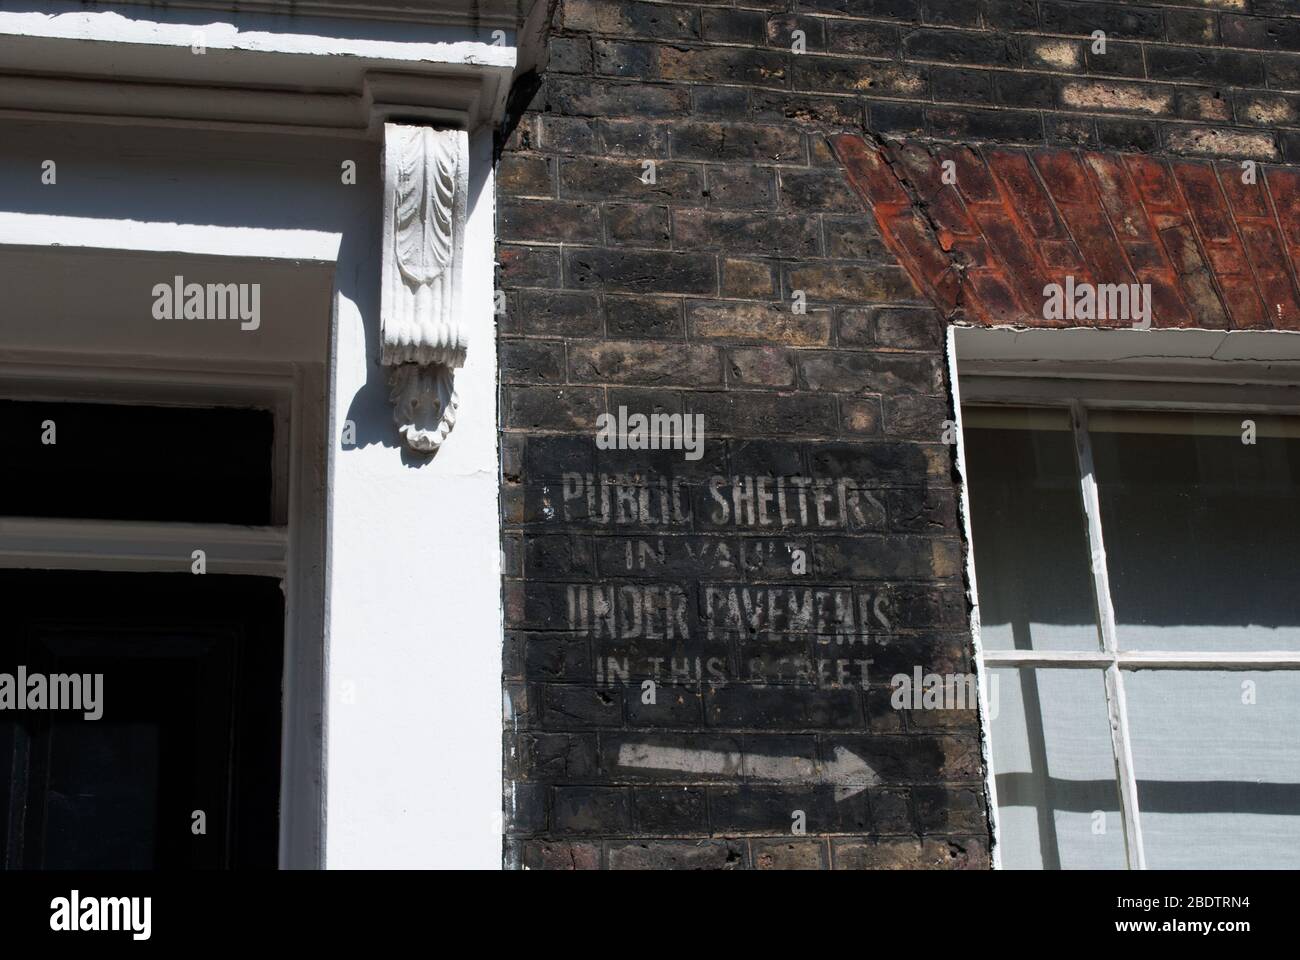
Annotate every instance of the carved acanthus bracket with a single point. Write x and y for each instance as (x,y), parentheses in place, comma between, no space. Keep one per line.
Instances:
(424,342)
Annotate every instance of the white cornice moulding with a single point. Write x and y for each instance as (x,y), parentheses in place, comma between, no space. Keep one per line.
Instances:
(246,76)
(231,31)
(483,13)
(450,99)
(423,340)
(461,98)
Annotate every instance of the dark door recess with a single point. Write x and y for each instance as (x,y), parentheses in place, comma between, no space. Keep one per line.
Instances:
(191,700)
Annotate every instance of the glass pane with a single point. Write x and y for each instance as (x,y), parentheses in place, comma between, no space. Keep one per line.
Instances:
(103,784)
(1217,756)
(1031,545)
(104,461)
(1201,529)
(1058,799)
(186,680)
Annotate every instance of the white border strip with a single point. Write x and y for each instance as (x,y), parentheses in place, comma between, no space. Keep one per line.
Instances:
(43,230)
(1147,659)
(57,544)
(972,596)
(112,26)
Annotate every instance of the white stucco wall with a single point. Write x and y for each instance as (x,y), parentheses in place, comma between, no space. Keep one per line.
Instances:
(414,744)
(413,618)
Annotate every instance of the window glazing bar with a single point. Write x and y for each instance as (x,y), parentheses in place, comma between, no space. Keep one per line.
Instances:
(1148,659)
(1116,707)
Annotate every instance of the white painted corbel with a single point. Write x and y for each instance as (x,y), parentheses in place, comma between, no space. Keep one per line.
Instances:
(424,340)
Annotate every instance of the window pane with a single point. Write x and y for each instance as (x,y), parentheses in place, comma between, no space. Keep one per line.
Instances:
(189,693)
(1201,530)
(104,461)
(102,782)
(1031,552)
(1058,800)
(1218,778)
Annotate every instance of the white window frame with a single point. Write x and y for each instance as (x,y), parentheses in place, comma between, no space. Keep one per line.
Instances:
(290,549)
(1079,371)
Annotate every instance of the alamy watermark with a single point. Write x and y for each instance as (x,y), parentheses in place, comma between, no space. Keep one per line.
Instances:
(1098,301)
(179,300)
(934,691)
(75,913)
(655,431)
(80,692)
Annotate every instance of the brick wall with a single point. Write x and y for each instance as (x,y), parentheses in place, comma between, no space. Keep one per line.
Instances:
(771,589)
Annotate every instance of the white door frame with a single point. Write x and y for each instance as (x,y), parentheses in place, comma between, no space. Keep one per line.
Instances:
(412,621)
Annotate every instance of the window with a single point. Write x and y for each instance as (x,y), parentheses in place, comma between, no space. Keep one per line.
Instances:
(180,769)
(117,461)
(1139,621)
(184,732)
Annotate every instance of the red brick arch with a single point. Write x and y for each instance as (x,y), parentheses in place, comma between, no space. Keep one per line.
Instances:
(1218,253)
